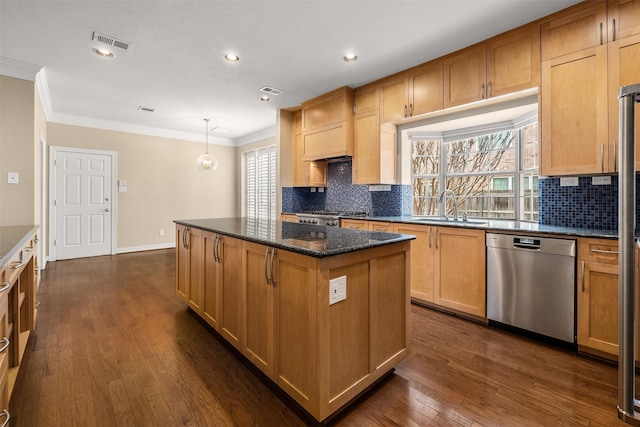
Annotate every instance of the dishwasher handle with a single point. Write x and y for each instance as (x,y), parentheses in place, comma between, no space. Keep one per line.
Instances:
(526,243)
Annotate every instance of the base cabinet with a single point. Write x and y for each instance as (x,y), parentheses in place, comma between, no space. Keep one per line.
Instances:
(597,296)
(421,260)
(322,355)
(189,266)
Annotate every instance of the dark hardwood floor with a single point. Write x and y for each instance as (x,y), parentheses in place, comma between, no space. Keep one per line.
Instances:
(113,346)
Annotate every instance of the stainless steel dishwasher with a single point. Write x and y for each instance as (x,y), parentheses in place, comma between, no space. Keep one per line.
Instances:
(531,284)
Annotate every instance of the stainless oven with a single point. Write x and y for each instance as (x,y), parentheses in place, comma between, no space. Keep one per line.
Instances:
(325,217)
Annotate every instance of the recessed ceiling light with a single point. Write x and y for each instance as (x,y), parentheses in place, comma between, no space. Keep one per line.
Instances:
(350,57)
(265,98)
(103,52)
(231,57)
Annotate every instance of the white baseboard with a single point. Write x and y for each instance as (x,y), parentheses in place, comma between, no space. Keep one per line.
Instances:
(145,248)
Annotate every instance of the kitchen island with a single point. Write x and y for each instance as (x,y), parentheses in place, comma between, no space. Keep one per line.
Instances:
(323,312)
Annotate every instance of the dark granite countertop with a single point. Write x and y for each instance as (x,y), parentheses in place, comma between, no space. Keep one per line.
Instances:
(12,239)
(491,225)
(313,240)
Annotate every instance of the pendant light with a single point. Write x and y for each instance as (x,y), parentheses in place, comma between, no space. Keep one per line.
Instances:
(207,162)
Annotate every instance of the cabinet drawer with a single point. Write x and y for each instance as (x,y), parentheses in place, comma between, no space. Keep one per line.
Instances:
(598,250)
(384,227)
(355,224)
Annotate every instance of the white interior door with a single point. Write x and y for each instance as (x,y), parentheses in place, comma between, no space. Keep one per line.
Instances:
(82,203)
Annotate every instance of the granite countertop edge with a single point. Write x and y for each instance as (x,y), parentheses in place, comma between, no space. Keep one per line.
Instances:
(375,239)
(12,239)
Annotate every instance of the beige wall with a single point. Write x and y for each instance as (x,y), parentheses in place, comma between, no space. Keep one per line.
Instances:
(163,183)
(17,201)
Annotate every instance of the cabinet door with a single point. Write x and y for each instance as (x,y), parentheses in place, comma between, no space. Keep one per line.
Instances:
(295,303)
(230,285)
(366,98)
(421,260)
(598,306)
(624,18)
(394,94)
(513,62)
(624,69)
(380,226)
(305,173)
(366,148)
(210,279)
(465,76)
(574,119)
(459,270)
(426,88)
(182,263)
(317,174)
(258,309)
(194,286)
(574,32)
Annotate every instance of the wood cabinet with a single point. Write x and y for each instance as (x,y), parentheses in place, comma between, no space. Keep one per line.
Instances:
(18,289)
(411,93)
(421,260)
(288,217)
(354,224)
(597,295)
(380,226)
(598,48)
(459,270)
(504,64)
(374,145)
(305,173)
(189,266)
(327,125)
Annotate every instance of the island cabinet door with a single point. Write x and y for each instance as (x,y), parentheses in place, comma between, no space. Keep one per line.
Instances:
(182,262)
(230,288)
(258,345)
(210,280)
(295,320)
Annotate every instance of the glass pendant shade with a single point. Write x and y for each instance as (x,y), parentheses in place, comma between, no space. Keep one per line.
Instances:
(207,162)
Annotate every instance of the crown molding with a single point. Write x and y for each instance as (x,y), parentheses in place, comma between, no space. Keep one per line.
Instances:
(18,69)
(256,136)
(42,86)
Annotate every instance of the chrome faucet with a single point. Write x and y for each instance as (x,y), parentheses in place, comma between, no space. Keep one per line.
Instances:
(443,199)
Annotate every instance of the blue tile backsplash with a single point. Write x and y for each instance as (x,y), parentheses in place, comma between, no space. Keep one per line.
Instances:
(583,206)
(342,195)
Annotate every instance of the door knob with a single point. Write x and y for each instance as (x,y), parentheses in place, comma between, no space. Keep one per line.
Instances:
(106,209)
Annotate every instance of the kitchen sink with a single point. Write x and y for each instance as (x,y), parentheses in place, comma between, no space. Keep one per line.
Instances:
(451,221)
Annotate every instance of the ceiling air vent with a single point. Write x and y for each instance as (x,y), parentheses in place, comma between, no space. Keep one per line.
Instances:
(111,41)
(271,90)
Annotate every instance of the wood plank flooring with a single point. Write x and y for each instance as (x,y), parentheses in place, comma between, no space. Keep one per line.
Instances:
(113,346)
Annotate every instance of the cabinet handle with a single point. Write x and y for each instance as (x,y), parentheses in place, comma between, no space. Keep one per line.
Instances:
(5,286)
(36,304)
(601,39)
(215,247)
(405,110)
(429,237)
(602,158)
(435,238)
(5,413)
(602,251)
(614,29)
(615,158)
(482,91)
(266,273)
(410,110)
(218,252)
(273,279)
(5,340)
(582,274)
(17,265)
(187,237)
(489,90)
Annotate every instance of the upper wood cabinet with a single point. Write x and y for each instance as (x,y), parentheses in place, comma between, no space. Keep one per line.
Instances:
(504,64)
(374,145)
(574,32)
(305,173)
(623,19)
(411,93)
(327,125)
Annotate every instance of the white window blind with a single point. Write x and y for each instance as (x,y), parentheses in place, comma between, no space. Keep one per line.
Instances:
(261,183)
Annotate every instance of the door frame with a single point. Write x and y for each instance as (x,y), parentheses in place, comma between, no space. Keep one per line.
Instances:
(53,151)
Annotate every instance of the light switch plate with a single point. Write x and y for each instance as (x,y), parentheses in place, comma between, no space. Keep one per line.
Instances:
(337,289)
(12,177)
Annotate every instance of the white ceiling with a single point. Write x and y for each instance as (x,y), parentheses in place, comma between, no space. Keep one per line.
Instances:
(176,61)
